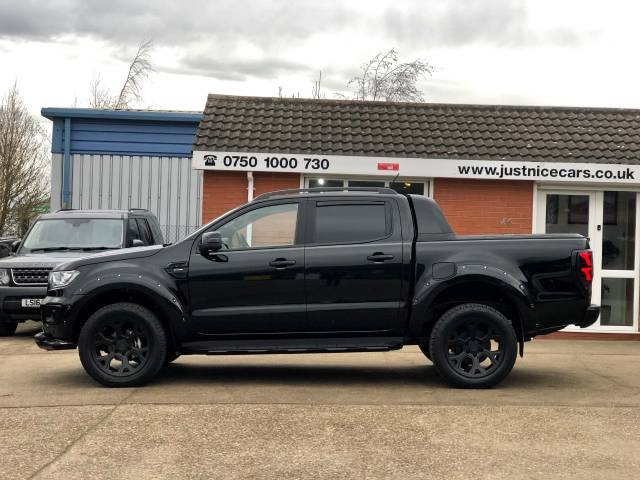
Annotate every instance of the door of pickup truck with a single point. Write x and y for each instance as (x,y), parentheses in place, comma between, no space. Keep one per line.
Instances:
(354,266)
(255,283)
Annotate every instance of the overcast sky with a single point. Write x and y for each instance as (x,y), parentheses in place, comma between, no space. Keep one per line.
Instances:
(547,52)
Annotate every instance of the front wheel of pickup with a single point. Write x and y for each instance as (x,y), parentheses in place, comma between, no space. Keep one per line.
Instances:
(473,346)
(122,345)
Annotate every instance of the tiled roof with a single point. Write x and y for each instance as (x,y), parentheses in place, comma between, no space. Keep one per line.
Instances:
(456,131)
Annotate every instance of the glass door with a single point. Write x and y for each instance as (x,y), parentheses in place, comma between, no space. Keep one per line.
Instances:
(616,241)
(609,219)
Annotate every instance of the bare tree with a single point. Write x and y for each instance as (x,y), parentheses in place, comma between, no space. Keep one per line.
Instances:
(316,90)
(23,164)
(99,95)
(139,70)
(384,77)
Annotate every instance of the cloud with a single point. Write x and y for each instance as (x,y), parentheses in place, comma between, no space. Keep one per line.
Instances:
(236,69)
(208,38)
(460,23)
(170,22)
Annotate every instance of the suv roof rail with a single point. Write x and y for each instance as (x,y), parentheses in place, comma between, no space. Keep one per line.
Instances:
(138,209)
(278,193)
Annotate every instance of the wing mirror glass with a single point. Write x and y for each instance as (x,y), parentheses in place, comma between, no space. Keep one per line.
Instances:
(211,242)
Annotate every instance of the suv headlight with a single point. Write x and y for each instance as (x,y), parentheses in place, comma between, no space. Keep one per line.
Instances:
(4,276)
(61,278)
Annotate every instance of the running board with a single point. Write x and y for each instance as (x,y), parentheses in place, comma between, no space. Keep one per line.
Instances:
(296,345)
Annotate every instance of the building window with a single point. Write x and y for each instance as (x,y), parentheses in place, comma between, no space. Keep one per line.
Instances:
(416,187)
(321,182)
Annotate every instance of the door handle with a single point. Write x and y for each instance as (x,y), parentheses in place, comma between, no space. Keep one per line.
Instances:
(280,263)
(379,257)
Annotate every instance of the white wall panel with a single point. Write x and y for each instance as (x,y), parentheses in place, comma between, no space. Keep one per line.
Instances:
(167,186)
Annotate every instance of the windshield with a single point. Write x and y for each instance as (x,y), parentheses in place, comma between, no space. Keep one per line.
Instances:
(74,234)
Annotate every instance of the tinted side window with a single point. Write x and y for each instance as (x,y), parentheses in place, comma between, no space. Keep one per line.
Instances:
(132,231)
(351,222)
(143,227)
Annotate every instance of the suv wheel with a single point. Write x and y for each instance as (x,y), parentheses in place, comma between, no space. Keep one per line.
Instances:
(473,346)
(122,345)
(7,328)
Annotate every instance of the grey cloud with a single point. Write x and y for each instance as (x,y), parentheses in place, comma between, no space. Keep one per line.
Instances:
(429,23)
(219,27)
(171,22)
(237,69)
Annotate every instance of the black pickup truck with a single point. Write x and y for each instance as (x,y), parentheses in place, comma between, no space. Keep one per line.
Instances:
(321,270)
(56,238)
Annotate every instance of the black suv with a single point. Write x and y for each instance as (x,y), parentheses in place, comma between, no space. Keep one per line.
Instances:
(55,238)
(321,270)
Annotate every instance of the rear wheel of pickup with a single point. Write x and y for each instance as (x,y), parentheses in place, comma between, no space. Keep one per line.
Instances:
(7,328)
(122,345)
(473,346)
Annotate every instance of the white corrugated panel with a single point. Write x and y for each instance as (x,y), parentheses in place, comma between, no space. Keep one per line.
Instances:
(167,186)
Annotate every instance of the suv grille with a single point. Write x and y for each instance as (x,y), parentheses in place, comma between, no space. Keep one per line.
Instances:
(30,276)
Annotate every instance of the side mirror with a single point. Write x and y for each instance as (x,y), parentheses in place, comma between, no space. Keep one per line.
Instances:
(15,246)
(211,242)
(136,242)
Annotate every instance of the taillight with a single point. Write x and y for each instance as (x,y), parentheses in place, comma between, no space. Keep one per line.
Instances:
(585,265)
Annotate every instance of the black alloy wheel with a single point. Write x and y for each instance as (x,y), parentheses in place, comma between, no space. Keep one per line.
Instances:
(473,346)
(121,346)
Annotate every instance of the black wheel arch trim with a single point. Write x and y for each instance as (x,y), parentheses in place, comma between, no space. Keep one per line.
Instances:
(428,289)
(167,301)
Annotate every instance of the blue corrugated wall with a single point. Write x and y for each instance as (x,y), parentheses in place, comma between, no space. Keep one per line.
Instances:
(124,132)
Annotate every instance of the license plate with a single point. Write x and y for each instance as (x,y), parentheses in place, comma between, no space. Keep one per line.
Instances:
(31,302)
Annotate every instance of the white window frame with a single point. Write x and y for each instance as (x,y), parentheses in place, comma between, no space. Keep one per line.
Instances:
(428,182)
(595,218)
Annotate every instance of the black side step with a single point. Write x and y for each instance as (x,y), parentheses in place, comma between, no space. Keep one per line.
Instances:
(295,345)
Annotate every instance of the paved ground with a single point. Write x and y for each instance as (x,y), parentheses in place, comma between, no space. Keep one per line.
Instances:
(570,409)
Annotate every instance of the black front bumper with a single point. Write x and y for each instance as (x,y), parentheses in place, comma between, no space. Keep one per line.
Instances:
(49,343)
(590,316)
(11,309)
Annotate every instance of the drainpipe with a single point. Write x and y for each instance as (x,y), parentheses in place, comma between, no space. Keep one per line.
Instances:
(249,238)
(66,165)
(249,186)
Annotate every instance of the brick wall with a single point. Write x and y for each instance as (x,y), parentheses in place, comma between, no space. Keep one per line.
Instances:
(485,206)
(222,191)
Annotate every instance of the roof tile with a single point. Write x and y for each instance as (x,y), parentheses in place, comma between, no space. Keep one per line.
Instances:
(499,132)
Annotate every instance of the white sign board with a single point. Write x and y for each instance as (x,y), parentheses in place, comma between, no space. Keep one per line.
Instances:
(415,167)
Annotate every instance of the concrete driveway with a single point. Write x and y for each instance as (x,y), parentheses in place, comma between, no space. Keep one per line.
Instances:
(570,409)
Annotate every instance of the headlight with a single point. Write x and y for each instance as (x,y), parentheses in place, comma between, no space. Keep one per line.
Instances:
(4,276)
(62,278)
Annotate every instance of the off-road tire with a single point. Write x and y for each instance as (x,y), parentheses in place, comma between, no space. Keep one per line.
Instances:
(143,332)
(457,359)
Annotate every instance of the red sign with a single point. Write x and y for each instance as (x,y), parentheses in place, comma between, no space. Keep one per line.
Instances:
(389,166)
